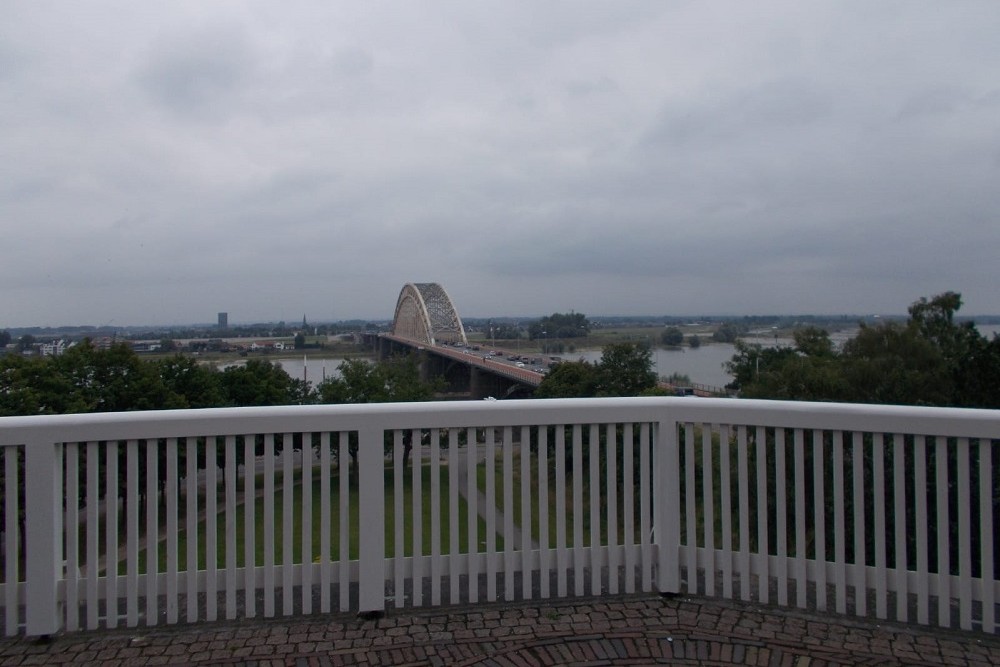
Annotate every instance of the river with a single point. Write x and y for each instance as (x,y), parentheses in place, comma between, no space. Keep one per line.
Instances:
(313,370)
(703,365)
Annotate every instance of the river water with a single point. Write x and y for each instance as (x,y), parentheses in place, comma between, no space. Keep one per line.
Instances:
(303,368)
(704,365)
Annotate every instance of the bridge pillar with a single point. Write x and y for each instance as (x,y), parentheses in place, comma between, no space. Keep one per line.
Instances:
(424,365)
(475,382)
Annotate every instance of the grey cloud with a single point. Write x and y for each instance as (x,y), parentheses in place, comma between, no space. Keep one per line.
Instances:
(195,73)
(775,106)
(619,157)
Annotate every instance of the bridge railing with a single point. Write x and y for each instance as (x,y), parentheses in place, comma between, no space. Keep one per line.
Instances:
(181,516)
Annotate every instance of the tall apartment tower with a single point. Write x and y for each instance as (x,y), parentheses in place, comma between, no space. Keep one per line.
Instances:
(223,320)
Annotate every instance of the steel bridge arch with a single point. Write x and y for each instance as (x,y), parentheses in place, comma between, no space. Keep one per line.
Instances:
(425,313)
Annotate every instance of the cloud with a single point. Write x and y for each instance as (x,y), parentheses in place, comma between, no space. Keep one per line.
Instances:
(165,162)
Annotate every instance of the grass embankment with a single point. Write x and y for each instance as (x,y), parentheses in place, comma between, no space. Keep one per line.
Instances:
(316,523)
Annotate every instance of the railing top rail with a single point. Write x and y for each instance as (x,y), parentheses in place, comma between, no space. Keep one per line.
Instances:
(955,422)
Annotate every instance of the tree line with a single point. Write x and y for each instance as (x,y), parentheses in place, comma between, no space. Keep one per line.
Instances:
(88,379)
(930,359)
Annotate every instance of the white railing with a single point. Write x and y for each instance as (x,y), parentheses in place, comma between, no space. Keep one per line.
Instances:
(164,517)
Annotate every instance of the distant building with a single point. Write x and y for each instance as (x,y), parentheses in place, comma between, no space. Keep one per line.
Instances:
(52,349)
(223,320)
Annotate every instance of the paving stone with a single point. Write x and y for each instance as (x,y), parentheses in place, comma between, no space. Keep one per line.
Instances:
(637,629)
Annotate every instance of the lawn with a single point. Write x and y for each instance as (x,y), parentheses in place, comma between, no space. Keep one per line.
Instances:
(315,523)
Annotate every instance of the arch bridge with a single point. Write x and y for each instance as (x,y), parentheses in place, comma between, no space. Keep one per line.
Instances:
(426,314)
(426,321)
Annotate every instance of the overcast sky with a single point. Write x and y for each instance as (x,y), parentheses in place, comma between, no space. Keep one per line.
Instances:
(160,162)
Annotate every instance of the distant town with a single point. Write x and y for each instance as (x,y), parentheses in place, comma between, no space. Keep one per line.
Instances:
(279,337)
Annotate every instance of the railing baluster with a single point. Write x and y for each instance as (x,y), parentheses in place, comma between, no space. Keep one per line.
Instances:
(901,565)
(344,525)
(491,516)
(726,482)
(249,525)
(920,507)
(416,495)
(878,489)
(763,541)
(801,576)
(964,537)
(690,511)
(628,505)
(191,527)
(454,592)
(269,525)
(172,484)
(287,524)
(152,450)
(93,530)
(435,517)
(562,556)
(525,556)
(132,533)
(943,531)
(508,513)
(306,559)
(399,520)
(211,529)
(471,496)
(578,582)
(611,486)
(594,481)
(860,557)
(743,477)
(839,524)
(544,543)
(987,526)
(12,537)
(819,517)
(781,512)
(72,528)
(230,519)
(324,522)
(708,501)
(645,500)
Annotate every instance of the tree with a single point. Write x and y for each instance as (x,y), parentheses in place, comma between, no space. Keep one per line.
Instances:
(300,340)
(694,341)
(626,369)
(4,338)
(569,379)
(727,333)
(928,360)
(32,386)
(25,343)
(393,380)
(196,385)
(560,325)
(260,382)
(112,380)
(672,336)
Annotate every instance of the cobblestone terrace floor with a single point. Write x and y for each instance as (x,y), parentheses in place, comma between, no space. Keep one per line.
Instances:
(638,630)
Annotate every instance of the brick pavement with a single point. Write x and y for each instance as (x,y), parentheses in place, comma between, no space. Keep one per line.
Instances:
(634,630)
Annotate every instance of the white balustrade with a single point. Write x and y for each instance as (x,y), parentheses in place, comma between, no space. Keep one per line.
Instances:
(182,516)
